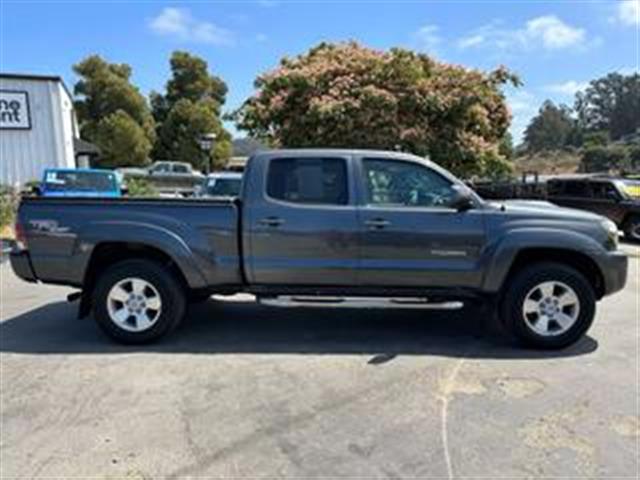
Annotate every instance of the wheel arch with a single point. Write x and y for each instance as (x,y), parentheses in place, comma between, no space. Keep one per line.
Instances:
(528,246)
(109,253)
(571,258)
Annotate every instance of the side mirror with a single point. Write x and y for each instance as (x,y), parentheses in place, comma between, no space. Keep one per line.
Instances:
(461,200)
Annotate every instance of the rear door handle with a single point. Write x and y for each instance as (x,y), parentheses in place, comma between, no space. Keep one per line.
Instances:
(377,223)
(271,222)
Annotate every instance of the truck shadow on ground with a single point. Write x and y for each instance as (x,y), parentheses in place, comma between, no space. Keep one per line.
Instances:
(224,327)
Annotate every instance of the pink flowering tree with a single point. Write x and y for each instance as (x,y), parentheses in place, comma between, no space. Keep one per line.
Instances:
(347,95)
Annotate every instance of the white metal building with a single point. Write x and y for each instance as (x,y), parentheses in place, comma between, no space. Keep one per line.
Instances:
(38,127)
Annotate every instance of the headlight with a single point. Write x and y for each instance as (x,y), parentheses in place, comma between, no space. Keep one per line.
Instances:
(612,234)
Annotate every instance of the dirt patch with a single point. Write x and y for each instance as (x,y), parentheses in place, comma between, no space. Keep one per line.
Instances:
(557,431)
(626,425)
(519,387)
(465,385)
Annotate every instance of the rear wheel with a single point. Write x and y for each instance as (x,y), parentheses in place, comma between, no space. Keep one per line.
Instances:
(138,301)
(632,228)
(548,305)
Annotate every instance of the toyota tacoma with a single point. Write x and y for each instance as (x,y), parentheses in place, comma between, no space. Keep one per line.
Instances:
(320,226)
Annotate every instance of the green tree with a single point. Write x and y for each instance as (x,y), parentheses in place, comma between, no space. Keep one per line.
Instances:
(633,162)
(125,141)
(604,158)
(184,124)
(347,95)
(597,138)
(611,103)
(506,147)
(106,103)
(553,128)
(190,108)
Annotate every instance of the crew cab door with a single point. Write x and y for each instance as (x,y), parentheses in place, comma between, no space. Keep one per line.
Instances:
(409,236)
(300,221)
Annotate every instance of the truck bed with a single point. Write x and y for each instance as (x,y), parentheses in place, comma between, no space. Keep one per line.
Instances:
(201,234)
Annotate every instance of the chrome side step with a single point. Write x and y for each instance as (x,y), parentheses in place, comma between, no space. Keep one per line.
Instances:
(358,302)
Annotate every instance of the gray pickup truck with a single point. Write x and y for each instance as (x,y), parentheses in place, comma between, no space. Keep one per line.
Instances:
(319,227)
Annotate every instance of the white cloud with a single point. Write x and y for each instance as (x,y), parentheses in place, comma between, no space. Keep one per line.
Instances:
(629,12)
(179,23)
(471,41)
(553,32)
(570,87)
(547,31)
(428,38)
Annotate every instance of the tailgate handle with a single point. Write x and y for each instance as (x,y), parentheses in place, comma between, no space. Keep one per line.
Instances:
(377,223)
(271,222)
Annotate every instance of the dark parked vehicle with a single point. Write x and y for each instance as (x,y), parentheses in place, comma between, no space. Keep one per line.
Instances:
(313,225)
(615,198)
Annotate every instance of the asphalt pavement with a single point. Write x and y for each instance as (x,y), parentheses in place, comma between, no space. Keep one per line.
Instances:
(243,390)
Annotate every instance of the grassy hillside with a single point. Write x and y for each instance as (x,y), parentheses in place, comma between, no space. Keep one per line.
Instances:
(546,163)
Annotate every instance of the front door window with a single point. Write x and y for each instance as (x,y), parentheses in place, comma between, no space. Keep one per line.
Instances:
(397,183)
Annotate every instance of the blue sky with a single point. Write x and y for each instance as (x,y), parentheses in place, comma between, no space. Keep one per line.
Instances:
(555,46)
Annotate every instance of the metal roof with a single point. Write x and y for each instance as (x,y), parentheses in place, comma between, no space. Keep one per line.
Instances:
(37,78)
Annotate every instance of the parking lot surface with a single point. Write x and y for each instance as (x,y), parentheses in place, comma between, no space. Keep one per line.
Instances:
(243,390)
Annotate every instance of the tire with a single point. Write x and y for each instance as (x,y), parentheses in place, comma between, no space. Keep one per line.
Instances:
(632,228)
(548,324)
(159,303)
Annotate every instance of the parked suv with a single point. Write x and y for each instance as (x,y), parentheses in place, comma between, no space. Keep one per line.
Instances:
(615,198)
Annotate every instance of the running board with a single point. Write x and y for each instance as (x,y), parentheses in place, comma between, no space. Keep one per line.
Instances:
(357,302)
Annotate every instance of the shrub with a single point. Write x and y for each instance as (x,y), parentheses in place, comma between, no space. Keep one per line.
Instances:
(8,206)
(140,187)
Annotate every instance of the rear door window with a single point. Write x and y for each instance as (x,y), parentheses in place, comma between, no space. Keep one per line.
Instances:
(576,189)
(321,181)
(180,169)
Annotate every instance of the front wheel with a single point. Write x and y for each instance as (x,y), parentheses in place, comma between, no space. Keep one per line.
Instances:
(138,301)
(548,306)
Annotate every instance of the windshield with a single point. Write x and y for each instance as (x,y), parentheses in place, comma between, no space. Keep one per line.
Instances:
(80,181)
(223,187)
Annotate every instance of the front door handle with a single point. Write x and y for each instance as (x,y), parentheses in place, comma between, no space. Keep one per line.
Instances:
(271,222)
(377,223)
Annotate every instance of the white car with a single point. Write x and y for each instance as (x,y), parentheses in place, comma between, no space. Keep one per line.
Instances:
(222,184)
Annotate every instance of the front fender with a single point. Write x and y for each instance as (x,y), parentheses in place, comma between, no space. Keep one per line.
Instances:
(503,254)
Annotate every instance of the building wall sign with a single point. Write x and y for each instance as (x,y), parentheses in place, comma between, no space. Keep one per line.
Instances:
(14,110)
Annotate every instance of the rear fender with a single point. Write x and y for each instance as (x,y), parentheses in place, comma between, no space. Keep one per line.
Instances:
(185,256)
